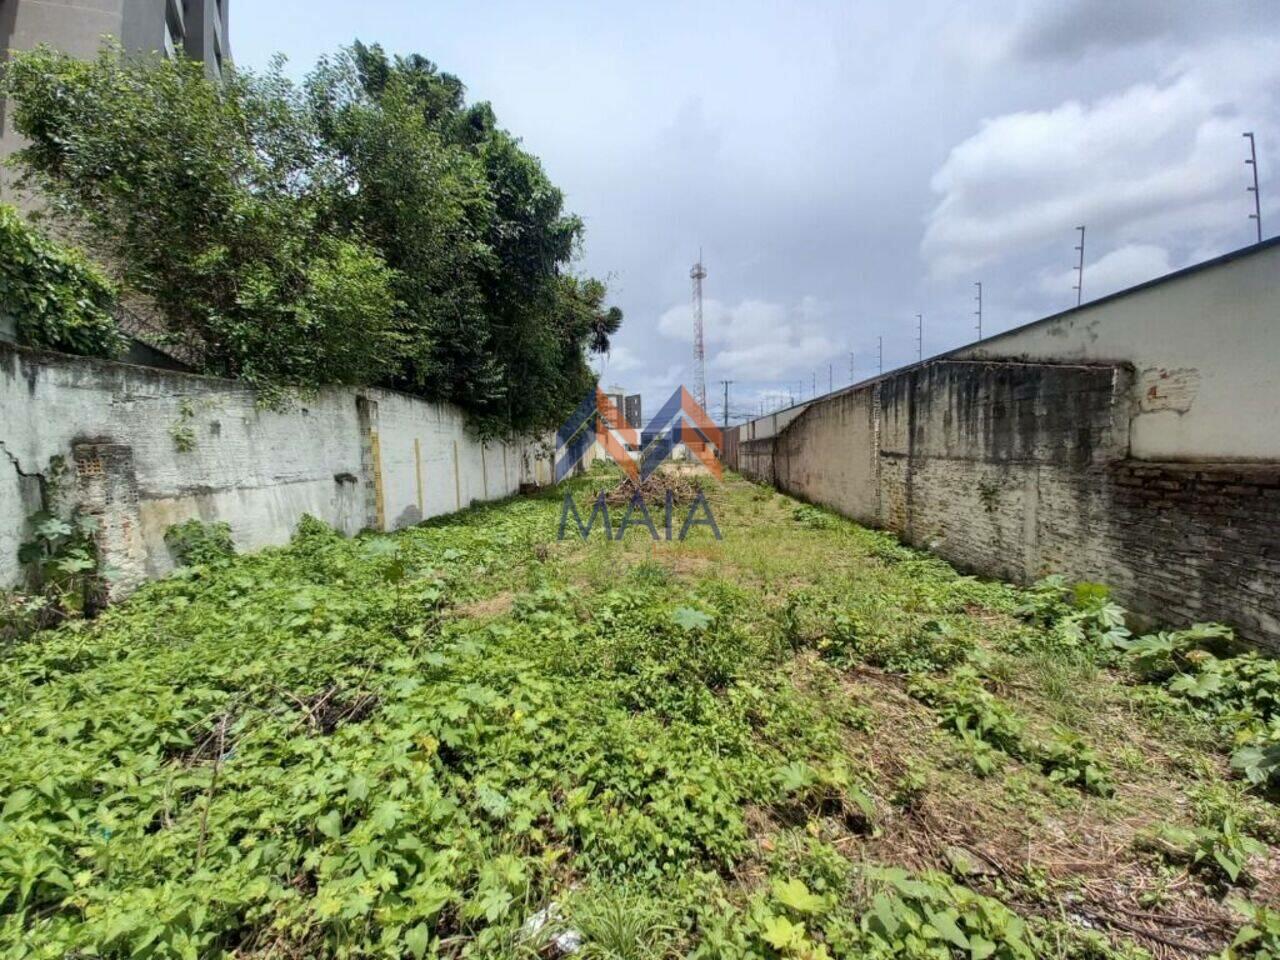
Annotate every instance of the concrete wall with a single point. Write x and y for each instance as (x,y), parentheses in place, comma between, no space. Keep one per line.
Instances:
(996,466)
(147,448)
(1131,441)
(1205,346)
(829,453)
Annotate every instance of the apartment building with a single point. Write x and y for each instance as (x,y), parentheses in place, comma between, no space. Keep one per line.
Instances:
(195,28)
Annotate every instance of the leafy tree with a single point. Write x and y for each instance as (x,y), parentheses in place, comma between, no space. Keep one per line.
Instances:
(58,299)
(369,227)
(207,200)
(478,234)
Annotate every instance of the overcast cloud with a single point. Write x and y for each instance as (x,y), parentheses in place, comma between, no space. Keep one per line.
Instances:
(844,166)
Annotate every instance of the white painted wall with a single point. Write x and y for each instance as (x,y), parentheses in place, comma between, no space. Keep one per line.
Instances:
(256,469)
(1205,347)
(771,424)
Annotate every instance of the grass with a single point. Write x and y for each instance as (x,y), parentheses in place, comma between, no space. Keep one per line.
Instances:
(471,739)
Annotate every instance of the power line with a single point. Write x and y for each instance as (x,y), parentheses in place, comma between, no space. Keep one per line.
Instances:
(1079,287)
(978,312)
(1257,197)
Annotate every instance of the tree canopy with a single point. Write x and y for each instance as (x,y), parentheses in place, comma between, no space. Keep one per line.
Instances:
(365,226)
(56,298)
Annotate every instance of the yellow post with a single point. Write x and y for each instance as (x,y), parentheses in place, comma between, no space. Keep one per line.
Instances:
(380,506)
(457,482)
(417,463)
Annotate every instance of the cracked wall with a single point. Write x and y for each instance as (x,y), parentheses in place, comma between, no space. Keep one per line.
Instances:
(20,496)
(150,448)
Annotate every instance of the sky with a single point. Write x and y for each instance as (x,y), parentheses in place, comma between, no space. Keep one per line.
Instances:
(843,167)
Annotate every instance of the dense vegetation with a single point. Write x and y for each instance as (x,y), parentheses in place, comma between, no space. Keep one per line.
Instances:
(54,296)
(468,739)
(366,226)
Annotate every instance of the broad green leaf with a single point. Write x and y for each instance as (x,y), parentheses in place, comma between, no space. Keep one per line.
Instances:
(330,824)
(794,895)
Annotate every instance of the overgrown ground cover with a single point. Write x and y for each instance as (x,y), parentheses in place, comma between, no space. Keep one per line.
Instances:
(469,739)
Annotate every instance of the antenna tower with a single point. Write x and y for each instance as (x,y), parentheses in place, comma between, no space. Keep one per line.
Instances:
(978,313)
(697,274)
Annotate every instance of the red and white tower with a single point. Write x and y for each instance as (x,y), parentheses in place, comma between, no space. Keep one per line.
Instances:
(699,358)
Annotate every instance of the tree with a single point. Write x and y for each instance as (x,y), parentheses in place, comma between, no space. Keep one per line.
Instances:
(368,227)
(496,322)
(208,201)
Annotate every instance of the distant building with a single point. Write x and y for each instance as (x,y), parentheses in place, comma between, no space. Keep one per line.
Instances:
(631,411)
(195,28)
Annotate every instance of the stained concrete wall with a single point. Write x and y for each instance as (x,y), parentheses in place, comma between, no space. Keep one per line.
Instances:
(147,448)
(1020,470)
(829,453)
(998,466)
(1131,441)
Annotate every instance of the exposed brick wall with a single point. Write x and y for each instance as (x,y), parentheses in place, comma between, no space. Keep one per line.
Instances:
(1198,542)
(107,488)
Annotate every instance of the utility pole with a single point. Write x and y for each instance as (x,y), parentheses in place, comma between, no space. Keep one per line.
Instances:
(851,378)
(726,402)
(880,354)
(1257,198)
(831,374)
(815,385)
(697,274)
(978,312)
(1079,287)
(919,337)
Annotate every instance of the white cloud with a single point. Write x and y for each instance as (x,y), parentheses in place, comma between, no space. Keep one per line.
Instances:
(619,359)
(757,339)
(1123,267)
(1133,165)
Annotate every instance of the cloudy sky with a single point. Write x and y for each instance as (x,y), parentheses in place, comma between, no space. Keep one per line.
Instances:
(845,166)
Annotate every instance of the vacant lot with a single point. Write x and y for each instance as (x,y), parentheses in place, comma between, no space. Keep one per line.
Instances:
(469,739)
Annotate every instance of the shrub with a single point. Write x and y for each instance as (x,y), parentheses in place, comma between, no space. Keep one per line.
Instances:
(366,226)
(58,300)
(1241,693)
(195,541)
(981,720)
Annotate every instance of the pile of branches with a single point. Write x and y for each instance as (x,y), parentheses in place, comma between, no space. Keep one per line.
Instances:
(653,490)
